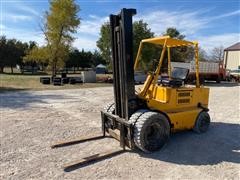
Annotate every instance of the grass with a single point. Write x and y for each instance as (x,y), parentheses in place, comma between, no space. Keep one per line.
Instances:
(32,82)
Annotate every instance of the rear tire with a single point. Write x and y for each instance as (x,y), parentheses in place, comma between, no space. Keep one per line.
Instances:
(232,79)
(151,130)
(201,80)
(202,122)
(218,80)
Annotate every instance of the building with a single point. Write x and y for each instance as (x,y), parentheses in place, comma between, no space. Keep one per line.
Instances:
(101,69)
(232,57)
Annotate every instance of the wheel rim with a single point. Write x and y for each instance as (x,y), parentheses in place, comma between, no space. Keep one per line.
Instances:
(154,136)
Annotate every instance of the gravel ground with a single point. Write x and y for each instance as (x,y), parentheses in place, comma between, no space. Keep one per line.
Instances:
(31,121)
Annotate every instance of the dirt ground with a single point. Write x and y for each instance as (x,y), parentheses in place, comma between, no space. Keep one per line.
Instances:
(31,121)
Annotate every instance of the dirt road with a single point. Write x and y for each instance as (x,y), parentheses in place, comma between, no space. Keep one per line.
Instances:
(32,120)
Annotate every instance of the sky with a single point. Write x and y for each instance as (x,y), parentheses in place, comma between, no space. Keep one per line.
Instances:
(212,23)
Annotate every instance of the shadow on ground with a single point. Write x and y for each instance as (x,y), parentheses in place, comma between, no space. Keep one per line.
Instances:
(23,99)
(10,89)
(220,143)
(222,84)
(26,73)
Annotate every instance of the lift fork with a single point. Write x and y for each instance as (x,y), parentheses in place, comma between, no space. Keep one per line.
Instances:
(85,161)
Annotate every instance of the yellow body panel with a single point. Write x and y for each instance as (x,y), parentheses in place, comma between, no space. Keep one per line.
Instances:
(183,120)
(179,104)
(171,99)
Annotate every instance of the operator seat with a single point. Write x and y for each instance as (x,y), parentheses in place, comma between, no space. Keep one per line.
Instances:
(177,79)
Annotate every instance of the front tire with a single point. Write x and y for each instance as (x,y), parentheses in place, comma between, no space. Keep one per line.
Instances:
(110,108)
(151,130)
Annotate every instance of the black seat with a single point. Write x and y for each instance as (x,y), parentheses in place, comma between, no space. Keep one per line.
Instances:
(177,79)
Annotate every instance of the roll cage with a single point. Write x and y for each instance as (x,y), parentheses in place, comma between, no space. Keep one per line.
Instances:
(167,43)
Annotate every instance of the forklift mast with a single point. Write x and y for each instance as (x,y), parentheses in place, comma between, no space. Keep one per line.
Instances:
(122,61)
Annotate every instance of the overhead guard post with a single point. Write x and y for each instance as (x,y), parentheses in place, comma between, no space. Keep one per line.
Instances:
(197,65)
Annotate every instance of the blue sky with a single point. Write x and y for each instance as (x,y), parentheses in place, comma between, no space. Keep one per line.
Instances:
(211,22)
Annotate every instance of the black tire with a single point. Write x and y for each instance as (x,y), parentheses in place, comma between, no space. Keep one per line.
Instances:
(202,122)
(232,79)
(201,80)
(151,130)
(109,108)
(218,80)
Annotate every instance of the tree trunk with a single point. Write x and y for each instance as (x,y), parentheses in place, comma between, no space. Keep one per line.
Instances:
(53,71)
(11,69)
(1,69)
(54,68)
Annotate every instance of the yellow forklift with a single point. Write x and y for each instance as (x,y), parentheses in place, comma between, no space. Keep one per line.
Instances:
(145,119)
(171,104)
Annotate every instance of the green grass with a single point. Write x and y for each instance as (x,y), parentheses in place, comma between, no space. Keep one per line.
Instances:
(32,82)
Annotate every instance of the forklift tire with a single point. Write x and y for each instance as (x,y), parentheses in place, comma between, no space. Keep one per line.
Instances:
(151,130)
(202,122)
(109,108)
(201,80)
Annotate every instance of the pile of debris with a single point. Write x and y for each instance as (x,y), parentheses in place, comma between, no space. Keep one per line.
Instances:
(59,81)
(85,77)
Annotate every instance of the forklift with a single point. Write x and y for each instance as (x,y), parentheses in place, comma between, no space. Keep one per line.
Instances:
(145,119)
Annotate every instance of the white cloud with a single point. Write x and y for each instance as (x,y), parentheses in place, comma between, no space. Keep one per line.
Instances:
(24,35)
(2,26)
(28,9)
(188,22)
(85,43)
(92,26)
(21,12)
(18,17)
(225,40)
(226,15)
(88,32)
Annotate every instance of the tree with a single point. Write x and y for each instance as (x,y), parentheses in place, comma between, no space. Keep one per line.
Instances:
(11,52)
(36,54)
(32,44)
(97,59)
(17,51)
(83,59)
(140,31)
(3,53)
(174,33)
(73,60)
(178,54)
(59,25)
(104,42)
(202,55)
(217,53)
